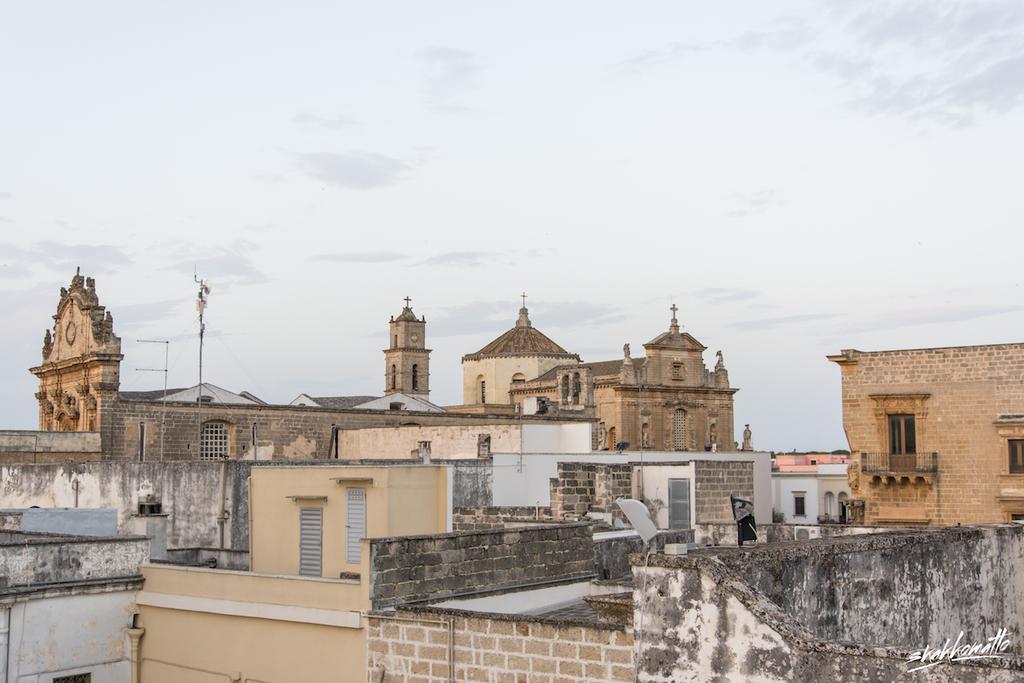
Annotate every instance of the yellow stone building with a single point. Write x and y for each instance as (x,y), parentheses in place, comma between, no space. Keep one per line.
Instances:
(937,435)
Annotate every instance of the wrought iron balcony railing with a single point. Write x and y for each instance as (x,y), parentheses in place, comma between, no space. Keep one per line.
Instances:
(900,462)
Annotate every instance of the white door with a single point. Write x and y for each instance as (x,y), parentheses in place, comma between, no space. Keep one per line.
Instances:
(355,524)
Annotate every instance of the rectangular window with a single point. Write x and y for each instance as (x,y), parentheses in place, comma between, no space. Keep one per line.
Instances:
(677,371)
(213,444)
(678,503)
(74,678)
(902,435)
(311,526)
(142,441)
(799,506)
(1016,456)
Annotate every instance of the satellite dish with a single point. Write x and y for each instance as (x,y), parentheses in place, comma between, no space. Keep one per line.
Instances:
(640,517)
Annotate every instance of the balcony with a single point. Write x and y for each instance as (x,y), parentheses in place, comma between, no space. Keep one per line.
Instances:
(889,468)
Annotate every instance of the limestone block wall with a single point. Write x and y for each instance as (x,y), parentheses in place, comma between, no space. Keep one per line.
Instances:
(492,647)
(413,568)
(447,441)
(482,518)
(582,487)
(714,482)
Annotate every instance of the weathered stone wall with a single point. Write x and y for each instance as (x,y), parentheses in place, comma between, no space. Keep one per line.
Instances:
(459,441)
(494,648)
(482,518)
(413,568)
(472,483)
(956,395)
(45,447)
(29,559)
(189,491)
(714,482)
(701,622)
(898,588)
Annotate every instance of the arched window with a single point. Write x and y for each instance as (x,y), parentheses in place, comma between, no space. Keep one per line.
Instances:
(829,504)
(844,511)
(679,430)
(213,442)
(518,377)
(483,388)
(565,388)
(415,376)
(394,377)
(575,388)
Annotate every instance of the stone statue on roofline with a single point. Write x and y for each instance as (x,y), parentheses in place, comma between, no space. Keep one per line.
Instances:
(747,439)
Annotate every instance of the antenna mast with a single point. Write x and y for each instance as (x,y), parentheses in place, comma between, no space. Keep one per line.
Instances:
(163,413)
(201,303)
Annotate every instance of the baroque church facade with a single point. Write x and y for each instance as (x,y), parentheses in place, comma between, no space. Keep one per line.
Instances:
(667,400)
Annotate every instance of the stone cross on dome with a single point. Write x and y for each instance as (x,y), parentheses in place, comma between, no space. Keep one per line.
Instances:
(524,315)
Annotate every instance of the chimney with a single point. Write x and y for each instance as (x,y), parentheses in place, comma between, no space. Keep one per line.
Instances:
(424,452)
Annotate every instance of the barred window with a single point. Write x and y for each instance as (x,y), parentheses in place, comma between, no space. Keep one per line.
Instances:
(214,442)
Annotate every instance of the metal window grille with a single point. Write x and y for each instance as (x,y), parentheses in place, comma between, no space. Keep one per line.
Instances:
(214,442)
(679,430)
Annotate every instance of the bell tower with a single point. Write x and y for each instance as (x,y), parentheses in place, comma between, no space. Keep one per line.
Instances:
(407,359)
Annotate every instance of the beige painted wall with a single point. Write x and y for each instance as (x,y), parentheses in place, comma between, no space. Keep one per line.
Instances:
(400,499)
(498,372)
(201,642)
(456,441)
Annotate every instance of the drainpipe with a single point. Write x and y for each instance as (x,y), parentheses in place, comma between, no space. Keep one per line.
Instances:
(5,641)
(222,517)
(135,635)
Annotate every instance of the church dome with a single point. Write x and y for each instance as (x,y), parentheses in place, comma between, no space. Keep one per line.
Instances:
(522,340)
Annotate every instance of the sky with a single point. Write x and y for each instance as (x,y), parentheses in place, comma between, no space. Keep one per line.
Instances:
(798,178)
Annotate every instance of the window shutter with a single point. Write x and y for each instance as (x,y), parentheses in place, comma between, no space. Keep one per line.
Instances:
(311,525)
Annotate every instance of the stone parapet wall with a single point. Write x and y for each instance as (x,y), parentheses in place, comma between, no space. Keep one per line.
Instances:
(415,568)
(28,559)
(925,585)
(757,640)
(18,446)
(498,648)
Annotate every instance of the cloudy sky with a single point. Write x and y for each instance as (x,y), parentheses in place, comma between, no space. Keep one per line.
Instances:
(798,177)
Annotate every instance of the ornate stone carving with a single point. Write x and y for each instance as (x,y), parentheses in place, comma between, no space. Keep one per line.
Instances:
(47,345)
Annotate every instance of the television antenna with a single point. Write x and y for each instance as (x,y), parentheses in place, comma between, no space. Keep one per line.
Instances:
(163,412)
(201,304)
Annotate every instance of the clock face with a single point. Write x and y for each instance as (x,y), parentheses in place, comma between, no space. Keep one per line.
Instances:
(414,337)
(70,332)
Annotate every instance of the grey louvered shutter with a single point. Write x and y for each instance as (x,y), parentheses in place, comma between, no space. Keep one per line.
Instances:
(355,524)
(311,526)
